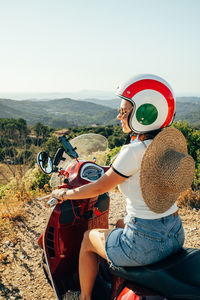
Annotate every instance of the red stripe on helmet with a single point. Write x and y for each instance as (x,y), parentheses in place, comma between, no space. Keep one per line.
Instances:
(150,84)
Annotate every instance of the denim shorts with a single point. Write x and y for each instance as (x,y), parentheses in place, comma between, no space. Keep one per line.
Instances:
(143,241)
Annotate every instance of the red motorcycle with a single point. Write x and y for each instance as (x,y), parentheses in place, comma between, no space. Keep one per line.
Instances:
(177,277)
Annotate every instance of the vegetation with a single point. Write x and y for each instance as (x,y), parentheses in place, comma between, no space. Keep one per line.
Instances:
(111,154)
(22,181)
(13,197)
(18,147)
(19,144)
(192,135)
(189,199)
(114,134)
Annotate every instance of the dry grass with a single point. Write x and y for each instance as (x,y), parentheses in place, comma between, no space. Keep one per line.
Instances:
(11,211)
(12,202)
(189,199)
(7,172)
(13,199)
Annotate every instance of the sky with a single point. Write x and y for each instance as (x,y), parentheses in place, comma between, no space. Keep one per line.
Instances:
(60,46)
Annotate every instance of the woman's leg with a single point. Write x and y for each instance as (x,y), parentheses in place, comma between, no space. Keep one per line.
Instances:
(93,244)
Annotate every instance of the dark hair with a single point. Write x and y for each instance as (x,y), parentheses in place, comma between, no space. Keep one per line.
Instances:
(148,135)
(151,134)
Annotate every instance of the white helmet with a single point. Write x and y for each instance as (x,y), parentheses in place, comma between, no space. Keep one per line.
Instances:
(153,102)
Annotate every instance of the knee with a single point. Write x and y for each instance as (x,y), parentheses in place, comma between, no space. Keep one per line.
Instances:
(86,235)
(90,239)
(86,239)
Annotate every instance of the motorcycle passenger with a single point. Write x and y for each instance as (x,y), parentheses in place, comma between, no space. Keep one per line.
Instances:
(151,173)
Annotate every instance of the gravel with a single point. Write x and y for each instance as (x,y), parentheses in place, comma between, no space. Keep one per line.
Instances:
(21,273)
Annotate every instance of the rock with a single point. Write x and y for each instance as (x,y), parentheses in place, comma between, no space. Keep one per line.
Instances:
(7,243)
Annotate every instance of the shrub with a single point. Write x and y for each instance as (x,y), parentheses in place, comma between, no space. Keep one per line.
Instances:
(189,199)
(13,197)
(3,189)
(111,153)
(40,180)
(51,146)
(192,136)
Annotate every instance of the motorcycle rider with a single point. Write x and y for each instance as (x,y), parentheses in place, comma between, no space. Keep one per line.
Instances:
(151,173)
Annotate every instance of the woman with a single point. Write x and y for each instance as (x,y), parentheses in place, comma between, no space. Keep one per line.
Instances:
(153,229)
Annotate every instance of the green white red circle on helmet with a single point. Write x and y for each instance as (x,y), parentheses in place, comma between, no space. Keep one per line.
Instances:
(153,102)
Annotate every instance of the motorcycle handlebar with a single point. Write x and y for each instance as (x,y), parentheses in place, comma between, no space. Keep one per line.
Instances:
(52,202)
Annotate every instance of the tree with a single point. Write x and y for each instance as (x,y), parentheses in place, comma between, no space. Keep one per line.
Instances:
(51,145)
(192,135)
(41,130)
(13,135)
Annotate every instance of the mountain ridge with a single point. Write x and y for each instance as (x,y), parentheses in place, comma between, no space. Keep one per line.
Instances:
(69,112)
(57,112)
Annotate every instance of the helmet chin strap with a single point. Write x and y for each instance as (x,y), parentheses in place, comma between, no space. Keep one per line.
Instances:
(130,138)
(133,134)
(128,120)
(144,136)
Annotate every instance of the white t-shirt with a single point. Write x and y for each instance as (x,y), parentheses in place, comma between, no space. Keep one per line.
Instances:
(128,164)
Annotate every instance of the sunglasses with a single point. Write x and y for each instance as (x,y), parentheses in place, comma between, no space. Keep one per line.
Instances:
(123,112)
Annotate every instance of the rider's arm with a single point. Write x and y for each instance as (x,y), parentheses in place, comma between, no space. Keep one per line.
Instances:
(123,167)
(107,182)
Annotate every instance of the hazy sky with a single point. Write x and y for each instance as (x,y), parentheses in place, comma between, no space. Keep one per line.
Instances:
(72,45)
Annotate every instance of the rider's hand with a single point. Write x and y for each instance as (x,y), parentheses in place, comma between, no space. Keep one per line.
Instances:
(59,194)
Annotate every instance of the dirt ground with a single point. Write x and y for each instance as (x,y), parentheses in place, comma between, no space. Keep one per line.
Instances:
(21,273)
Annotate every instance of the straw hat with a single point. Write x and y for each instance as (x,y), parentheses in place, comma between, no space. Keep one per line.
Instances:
(166,170)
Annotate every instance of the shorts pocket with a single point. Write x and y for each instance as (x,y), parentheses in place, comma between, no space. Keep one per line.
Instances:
(149,248)
(143,247)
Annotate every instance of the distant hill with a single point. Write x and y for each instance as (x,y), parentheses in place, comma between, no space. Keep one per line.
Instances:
(189,99)
(192,118)
(67,112)
(188,108)
(58,113)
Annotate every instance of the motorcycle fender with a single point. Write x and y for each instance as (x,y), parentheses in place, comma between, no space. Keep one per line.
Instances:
(127,294)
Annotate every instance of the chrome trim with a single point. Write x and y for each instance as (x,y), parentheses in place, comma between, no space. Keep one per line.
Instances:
(88,165)
(128,99)
(47,263)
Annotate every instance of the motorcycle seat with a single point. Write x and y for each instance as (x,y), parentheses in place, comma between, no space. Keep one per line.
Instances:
(176,277)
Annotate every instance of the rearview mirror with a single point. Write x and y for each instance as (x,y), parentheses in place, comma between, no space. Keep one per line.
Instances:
(45,162)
